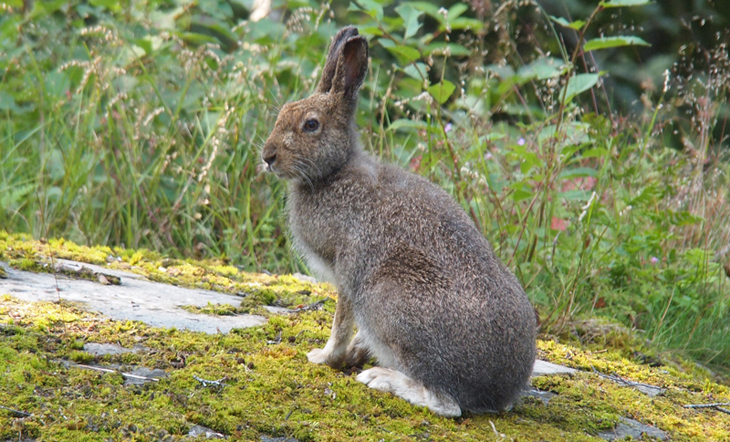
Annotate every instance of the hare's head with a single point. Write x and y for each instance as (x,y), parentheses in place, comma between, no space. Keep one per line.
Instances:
(316,136)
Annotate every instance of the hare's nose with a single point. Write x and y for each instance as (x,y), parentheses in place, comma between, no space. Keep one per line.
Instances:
(270,158)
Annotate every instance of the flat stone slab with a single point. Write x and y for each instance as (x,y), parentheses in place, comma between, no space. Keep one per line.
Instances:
(135,299)
(544,368)
(97,349)
(635,429)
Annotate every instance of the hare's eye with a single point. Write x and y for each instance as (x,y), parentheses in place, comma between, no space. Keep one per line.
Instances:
(311,125)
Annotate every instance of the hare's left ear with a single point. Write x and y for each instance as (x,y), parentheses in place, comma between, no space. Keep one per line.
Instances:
(352,65)
(333,56)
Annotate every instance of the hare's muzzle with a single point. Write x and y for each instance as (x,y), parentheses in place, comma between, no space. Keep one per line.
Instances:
(269,156)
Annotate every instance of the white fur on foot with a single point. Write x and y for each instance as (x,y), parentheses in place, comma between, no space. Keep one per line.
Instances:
(330,355)
(413,391)
(318,355)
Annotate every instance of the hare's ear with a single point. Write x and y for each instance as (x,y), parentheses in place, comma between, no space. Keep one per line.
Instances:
(352,66)
(330,66)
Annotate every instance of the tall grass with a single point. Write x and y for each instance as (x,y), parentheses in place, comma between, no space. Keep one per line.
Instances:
(140,125)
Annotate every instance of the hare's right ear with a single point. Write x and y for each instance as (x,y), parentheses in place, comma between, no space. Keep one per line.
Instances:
(346,66)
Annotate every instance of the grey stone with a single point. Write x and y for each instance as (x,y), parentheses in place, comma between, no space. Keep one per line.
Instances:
(136,298)
(544,396)
(647,389)
(106,349)
(544,368)
(630,427)
(145,375)
(305,278)
(650,390)
(278,310)
(199,430)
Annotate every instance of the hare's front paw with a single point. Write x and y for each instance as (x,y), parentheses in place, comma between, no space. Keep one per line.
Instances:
(318,356)
(326,356)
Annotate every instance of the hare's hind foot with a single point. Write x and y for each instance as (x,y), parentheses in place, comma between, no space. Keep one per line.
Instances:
(385,379)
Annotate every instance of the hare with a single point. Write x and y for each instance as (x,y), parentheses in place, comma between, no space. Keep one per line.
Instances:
(449,325)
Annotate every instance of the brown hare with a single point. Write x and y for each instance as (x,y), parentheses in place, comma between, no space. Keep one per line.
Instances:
(449,325)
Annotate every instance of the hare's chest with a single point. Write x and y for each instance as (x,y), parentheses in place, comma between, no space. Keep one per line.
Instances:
(316,234)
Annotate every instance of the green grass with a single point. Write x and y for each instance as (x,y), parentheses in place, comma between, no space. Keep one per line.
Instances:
(138,125)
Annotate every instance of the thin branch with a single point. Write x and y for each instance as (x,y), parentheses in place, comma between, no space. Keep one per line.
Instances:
(17,413)
(108,370)
(719,406)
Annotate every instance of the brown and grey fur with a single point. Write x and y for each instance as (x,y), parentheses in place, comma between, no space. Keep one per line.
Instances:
(449,324)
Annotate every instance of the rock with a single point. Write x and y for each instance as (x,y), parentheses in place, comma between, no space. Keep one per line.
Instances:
(647,389)
(544,396)
(635,429)
(145,375)
(199,430)
(305,278)
(278,310)
(544,368)
(135,299)
(109,349)
(650,390)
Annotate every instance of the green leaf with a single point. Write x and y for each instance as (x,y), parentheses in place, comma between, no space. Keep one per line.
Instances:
(386,42)
(7,102)
(575,195)
(455,50)
(112,5)
(613,42)
(373,31)
(405,54)
(598,152)
(466,23)
(529,160)
(419,71)
(442,91)
(578,172)
(406,123)
(542,69)
(621,3)
(429,8)
(572,25)
(43,9)
(491,137)
(410,17)
(521,191)
(370,7)
(455,11)
(578,84)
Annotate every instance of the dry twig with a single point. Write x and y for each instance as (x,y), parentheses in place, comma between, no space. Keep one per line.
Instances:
(719,406)
(17,413)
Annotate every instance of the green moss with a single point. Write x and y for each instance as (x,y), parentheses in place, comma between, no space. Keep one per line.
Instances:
(214,309)
(81,357)
(27,264)
(271,388)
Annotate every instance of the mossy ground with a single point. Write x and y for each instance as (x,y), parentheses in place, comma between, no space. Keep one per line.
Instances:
(272,390)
